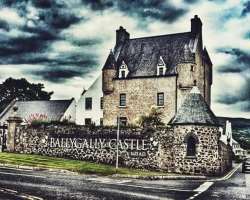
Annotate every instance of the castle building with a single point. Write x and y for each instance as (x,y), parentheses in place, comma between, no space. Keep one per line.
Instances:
(154,71)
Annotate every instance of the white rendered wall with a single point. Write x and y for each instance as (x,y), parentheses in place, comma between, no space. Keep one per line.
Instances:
(96,113)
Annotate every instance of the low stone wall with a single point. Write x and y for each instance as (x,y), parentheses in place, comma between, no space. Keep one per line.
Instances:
(154,149)
(137,148)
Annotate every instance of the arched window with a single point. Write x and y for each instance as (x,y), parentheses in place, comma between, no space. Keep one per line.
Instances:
(191,146)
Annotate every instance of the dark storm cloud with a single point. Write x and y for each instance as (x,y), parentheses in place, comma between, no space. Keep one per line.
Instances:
(241,60)
(196,1)
(65,66)
(57,75)
(154,9)
(242,98)
(246,8)
(191,1)
(240,65)
(32,45)
(247,35)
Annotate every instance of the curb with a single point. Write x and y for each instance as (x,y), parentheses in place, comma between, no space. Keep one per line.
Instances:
(227,175)
(159,177)
(163,177)
(36,168)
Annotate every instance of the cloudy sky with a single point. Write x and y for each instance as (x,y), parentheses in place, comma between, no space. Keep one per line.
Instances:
(64,43)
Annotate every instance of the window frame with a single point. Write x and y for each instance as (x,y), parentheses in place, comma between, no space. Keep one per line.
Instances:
(123,74)
(191,150)
(101,103)
(121,100)
(123,121)
(160,102)
(161,71)
(88,106)
(87,124)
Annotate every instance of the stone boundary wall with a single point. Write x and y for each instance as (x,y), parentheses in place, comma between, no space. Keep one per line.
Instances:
(137,148)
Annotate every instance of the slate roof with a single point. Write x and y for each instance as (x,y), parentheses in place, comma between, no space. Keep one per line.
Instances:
(194,110)
(52,109)
(141,55)
(110,62)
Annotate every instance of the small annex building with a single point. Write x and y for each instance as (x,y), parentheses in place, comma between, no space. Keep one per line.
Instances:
(41,110)
(196,147)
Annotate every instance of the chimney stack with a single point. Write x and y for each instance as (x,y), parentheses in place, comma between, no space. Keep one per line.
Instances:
(121,35)
(196,25)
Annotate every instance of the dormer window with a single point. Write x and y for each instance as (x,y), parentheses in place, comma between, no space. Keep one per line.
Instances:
(123,74)
(161,67)
(123,70)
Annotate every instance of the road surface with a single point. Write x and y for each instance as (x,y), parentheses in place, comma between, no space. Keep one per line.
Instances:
(36,185)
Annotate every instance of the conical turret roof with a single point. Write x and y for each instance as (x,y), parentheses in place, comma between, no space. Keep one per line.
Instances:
(110,62)
(194,110)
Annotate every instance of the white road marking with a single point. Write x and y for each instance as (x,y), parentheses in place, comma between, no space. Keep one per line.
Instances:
(228,175)
(15,193)
(202,188)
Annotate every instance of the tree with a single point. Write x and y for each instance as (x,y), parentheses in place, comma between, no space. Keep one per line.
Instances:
(21,89)
(152,119)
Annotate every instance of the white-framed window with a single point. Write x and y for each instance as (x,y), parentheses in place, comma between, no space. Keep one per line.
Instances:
(122,102)
(161,67)
(123,70)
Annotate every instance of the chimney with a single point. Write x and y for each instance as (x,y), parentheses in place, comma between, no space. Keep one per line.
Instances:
(196,25)
(121,35)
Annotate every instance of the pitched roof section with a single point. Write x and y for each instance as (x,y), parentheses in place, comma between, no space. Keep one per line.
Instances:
(141,55)
(52,110)
(194,110)
(110,62)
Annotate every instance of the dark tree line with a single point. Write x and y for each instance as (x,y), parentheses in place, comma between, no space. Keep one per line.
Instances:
(21,89)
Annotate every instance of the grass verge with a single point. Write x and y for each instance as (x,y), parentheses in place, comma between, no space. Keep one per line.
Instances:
(71,165)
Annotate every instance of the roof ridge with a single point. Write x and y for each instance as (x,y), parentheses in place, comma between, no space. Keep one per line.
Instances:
(46,100)
(155,36)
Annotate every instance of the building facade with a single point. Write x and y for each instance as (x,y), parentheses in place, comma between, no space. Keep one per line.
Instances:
(227,136)
(41,110)
(89,109)
(154,71)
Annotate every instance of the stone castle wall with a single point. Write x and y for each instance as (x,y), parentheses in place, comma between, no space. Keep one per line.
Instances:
(209,158)
(141,95)
(154,149)
(137,148)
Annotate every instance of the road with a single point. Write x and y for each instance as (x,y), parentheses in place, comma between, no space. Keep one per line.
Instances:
(37,185)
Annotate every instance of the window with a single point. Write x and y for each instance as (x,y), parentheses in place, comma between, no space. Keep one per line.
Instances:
(122,99)
(123,121)
(161,71)
(101,121)
(195,82)
(192,68)
(123,74)
(191,146)
(87,121)
(88,103)
(160,99)
(101,102)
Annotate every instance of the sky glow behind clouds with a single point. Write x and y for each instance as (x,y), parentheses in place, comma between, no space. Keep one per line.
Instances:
(64,43)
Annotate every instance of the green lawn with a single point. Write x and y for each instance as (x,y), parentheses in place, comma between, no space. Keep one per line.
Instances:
(71,165)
